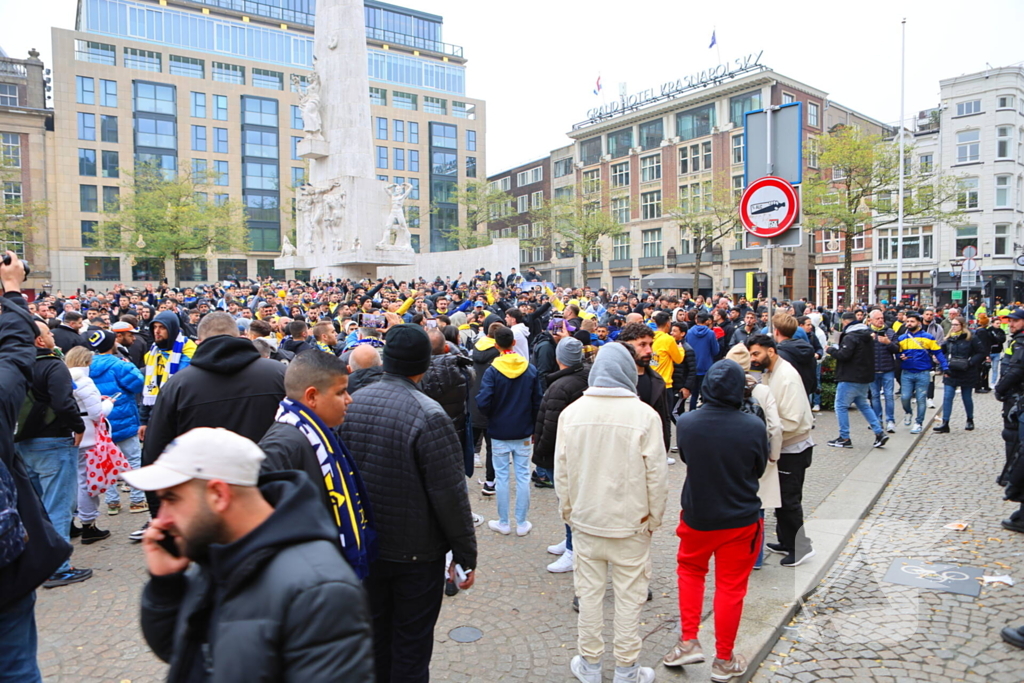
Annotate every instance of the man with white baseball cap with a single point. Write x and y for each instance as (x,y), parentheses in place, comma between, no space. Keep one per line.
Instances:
(273,550)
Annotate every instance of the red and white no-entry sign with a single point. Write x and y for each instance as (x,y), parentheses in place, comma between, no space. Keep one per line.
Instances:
(769,207)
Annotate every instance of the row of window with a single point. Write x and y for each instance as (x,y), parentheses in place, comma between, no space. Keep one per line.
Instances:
(409,131)
(968,144)
(971,107)
(108,268)
(1005,187)
(400,159)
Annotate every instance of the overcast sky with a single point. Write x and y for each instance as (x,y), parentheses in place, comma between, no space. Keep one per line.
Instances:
(535,62)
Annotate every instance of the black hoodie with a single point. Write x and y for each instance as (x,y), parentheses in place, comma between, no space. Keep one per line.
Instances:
(725,451)
(800,355)
(227,385)
(279,604)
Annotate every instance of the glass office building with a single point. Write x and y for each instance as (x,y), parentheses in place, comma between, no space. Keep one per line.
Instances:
(206,86)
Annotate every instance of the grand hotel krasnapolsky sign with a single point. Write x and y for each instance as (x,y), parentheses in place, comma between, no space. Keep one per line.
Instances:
(701,79)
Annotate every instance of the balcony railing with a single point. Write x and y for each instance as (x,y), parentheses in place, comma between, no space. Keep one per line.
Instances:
(262,9)
(413,41)
(263,215)
(10,67)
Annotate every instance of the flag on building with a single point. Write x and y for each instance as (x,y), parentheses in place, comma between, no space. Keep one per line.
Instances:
(713,40)
(597,86)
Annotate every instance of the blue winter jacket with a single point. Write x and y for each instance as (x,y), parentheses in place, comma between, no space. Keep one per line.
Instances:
(111,376)
(704,343)
(510,396)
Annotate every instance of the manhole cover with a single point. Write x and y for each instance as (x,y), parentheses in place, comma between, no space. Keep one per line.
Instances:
(466,634)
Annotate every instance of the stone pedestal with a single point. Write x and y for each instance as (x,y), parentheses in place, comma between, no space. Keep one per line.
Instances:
(313,149)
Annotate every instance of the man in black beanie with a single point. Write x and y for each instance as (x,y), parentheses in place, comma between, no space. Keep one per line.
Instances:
(410,459)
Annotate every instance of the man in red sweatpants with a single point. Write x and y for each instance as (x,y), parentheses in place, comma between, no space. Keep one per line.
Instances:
(725,451)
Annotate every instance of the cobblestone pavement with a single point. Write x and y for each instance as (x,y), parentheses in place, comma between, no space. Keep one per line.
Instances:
(857,627)
(89,632)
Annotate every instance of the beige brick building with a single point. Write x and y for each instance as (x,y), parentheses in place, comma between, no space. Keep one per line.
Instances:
(25,157)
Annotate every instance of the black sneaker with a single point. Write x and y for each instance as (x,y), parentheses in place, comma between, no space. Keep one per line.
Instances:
(66,578)
(970,426)
(487,489)
(90,534)
(534,476)
(791,560)
(840,443)
(136,536)
(777,548)
(543,483)
(941,428)
(450,588)
(880,439)
(576,603)
(76,530)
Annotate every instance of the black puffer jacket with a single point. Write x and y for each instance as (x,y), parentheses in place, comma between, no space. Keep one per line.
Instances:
(409,455)
(364,378)
(564,387)
(447,382)
(66,338)
(684,375)
(855,355)
(973,350)
(800,354)
(482,359)
(227,385)
(885,354)
(542,355)
(55,414)
(278,604)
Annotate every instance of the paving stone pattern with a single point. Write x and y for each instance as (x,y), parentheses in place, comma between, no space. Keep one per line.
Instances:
(89,632)
(856,627)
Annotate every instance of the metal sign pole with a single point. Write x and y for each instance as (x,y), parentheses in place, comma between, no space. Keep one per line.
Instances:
(769,170)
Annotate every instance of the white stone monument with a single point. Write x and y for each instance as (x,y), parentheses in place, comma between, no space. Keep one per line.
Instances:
(348,222)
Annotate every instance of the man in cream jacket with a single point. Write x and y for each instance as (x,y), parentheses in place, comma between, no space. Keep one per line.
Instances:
(611,481)
(794,408)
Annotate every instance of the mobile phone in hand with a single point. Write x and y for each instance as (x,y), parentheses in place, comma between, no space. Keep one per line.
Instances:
(168,544)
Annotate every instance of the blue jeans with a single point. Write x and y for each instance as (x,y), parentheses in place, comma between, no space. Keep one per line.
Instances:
(857,394)
(949,395)
(915,384)
(544,472)
(882,387)
(52,464)
(18,642)
(132,450)
(519,452)
(994,378)
(816,396)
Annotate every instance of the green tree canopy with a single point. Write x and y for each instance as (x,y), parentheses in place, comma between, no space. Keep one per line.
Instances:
(167,217)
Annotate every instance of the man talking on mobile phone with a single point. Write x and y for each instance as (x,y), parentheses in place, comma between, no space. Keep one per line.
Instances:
(247,580)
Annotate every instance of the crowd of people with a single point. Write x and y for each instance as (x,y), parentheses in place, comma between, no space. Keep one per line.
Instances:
(300,454)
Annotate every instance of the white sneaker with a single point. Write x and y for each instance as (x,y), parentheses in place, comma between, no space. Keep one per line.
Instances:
(890,427)
(931,403)
(524,528)
(674,449)
(634,674)
(816,409)
(558,548)
(495,525)
(477,519)
(584,671)
(916,429)
(906,420)
(562,564)
(477,462)
(670,461)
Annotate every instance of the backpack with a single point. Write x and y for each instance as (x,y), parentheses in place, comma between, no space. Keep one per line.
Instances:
(12,532)
(751,405)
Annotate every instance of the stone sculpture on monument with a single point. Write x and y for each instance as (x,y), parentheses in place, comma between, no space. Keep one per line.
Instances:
(396,230)
(342,208)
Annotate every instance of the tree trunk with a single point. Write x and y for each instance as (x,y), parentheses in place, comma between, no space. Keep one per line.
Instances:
(848,269)
(696,267)
(583,270)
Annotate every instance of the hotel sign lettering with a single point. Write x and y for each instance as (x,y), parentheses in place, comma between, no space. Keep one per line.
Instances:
(671,89)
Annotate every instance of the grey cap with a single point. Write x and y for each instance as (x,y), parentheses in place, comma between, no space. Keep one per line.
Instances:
(569,352)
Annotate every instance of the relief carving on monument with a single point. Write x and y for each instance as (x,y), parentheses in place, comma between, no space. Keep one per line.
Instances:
(320,211)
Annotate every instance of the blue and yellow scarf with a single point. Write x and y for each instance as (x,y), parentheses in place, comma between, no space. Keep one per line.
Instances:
(349,501)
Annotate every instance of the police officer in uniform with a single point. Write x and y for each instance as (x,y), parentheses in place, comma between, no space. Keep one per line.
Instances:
(1010,390)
